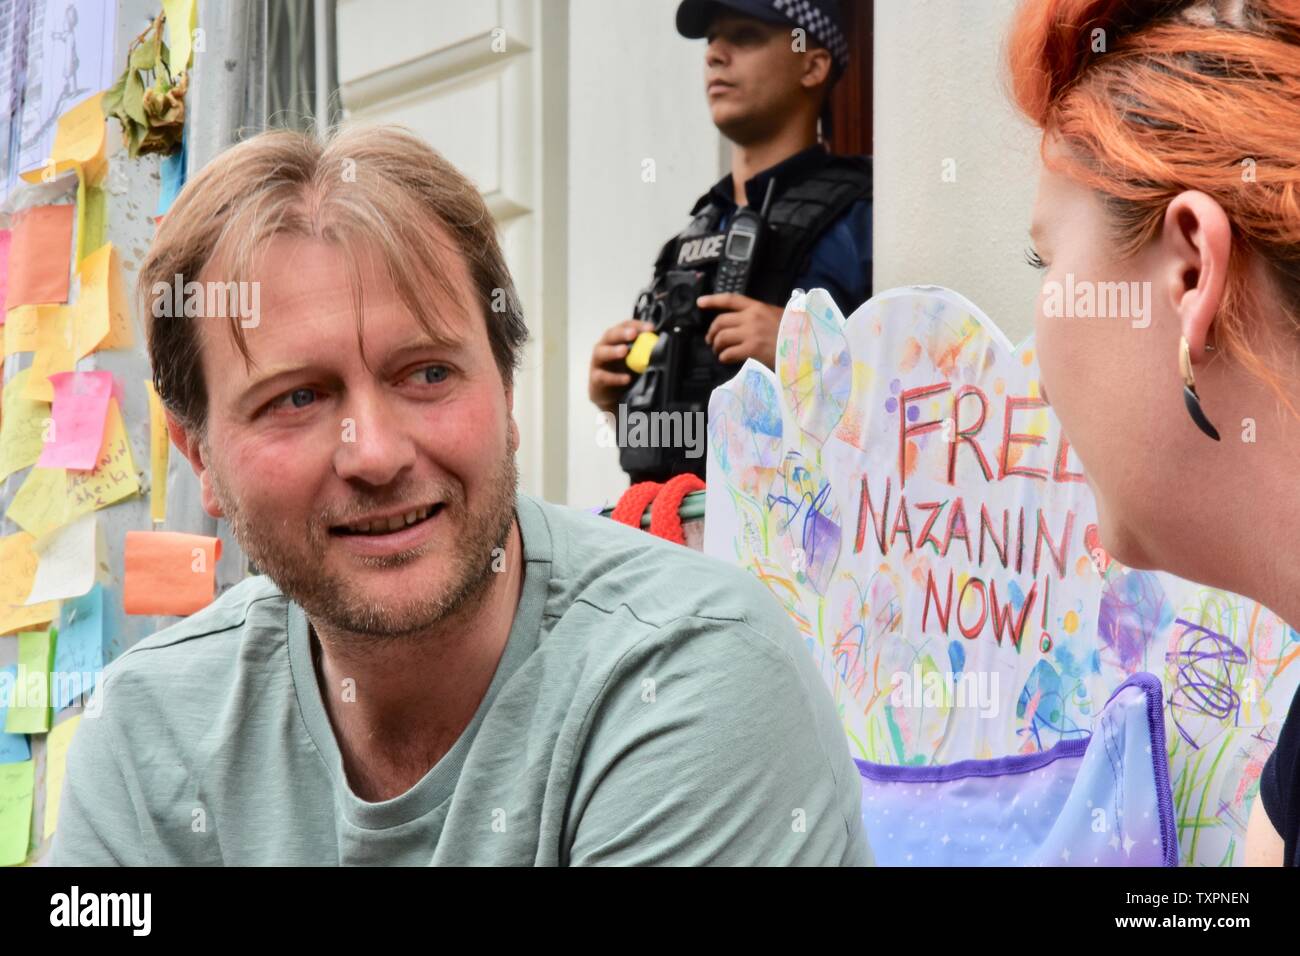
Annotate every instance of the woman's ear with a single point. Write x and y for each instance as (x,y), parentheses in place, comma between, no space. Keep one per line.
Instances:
(1196,241)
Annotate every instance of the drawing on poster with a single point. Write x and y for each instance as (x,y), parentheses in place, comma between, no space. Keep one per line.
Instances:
(69,58)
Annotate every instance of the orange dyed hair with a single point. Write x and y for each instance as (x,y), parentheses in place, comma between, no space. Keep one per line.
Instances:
(1153,97)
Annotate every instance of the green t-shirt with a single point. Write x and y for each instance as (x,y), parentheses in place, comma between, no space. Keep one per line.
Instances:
(652,706)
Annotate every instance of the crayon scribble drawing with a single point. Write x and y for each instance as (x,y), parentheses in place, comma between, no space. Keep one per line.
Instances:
(902,488)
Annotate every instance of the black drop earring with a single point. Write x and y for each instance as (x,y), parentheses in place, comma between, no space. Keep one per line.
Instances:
(1190,398)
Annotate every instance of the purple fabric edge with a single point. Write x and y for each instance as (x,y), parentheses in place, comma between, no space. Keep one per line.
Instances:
(1150,686)
(995,767)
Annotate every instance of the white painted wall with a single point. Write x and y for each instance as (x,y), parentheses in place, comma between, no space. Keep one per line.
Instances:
(636,93)
(939,95)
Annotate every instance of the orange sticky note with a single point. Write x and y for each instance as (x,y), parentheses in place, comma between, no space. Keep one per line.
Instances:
(40,254)
(168,572)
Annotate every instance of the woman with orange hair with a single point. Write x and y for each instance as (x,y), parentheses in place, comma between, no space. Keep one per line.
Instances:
(1171,154)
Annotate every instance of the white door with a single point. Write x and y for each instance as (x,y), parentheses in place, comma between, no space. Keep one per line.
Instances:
(485,83)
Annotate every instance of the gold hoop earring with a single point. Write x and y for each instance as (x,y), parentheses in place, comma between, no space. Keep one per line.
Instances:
(1190,398)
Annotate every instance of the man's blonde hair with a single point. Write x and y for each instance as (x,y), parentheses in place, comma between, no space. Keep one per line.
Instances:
(379,189)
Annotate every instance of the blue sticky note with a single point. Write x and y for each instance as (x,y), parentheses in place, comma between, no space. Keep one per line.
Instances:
(172,171)
(79,650)
(14,748)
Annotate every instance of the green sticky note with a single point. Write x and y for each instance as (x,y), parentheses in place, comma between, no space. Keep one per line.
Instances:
(29,709)
(92,212)
(17,785)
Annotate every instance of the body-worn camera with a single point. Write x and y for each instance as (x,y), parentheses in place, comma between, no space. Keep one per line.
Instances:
(681,374)
(672,395)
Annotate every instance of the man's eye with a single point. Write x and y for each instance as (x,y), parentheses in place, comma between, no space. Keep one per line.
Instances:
(440,373)
(292,399)
(1032,257)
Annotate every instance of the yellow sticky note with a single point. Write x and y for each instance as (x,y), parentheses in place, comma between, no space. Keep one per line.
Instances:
(18,561)
(92,212)
(22,426)
(78,142)
(181,15)
(56,764)
(17,785)
(51,497)
(103,318)
(21,326)
(54,351)
(159,450)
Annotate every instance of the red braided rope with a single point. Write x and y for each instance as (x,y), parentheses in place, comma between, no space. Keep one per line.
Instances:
(633,503)
(665,517)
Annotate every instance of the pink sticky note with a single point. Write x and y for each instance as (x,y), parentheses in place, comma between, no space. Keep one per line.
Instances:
(79,413)
(4,271)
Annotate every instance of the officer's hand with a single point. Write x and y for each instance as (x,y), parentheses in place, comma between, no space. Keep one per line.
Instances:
(744,328)
(610,375)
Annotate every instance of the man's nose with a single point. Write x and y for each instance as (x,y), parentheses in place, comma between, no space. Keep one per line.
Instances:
(715,54)
(373,445)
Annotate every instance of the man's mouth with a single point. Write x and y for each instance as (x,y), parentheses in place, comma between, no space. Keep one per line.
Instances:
(377,527)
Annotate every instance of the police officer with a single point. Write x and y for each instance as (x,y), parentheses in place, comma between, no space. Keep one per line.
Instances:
(769,69)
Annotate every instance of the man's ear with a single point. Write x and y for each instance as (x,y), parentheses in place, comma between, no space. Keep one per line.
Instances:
(510,414)
(192,448)
(816,68)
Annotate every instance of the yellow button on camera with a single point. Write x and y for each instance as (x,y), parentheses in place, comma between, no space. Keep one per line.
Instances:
(638,357)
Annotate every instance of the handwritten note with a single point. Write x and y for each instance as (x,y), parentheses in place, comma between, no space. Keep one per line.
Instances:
(66,561)
(17,787)
(21,325)
(18,561)
(79,651)
(168,572)
(14,748)
(22,426)
(56,763)
(51,497)
(80,412)
(40,255)
(29,709)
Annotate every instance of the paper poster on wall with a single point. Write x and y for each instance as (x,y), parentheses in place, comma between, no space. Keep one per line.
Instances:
(13,64)
(70,56)
(902,488)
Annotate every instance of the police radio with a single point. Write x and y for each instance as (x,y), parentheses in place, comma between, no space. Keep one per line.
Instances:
(744,234)
(677,369)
